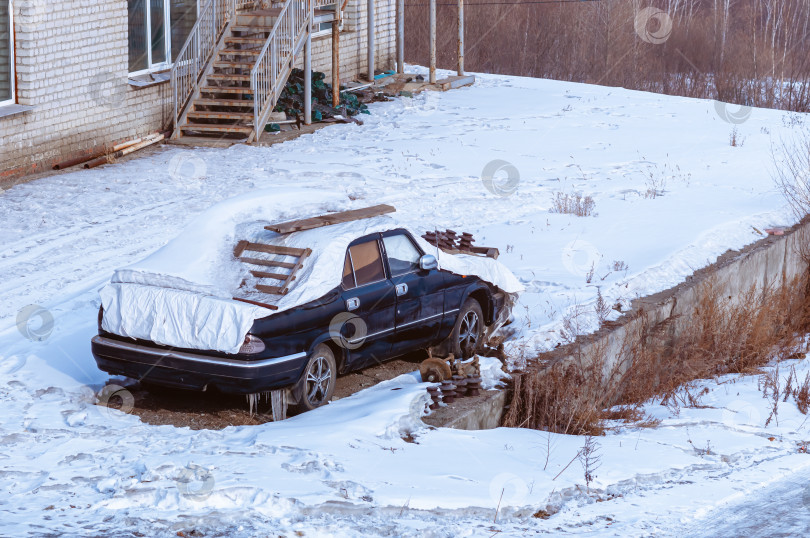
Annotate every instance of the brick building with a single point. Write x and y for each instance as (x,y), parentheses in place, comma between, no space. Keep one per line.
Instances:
(77,76)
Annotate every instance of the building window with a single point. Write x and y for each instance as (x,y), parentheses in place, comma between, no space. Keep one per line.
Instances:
(323,28)
(6,53)
(158,29)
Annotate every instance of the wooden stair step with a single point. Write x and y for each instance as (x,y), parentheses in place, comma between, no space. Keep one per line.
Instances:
(255,29)
(246,103)
(225,63)
(244,52)
(228,76)
(225,89)
(237,39)
(213,128)
(220,115)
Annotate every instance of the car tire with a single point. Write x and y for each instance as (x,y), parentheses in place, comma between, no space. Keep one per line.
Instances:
(316,385)
(468,332)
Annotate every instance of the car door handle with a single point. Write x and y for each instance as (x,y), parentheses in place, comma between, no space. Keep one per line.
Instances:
(402,289)
(352,304)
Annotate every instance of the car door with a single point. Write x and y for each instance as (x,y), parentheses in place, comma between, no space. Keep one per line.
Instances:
(419,294)
(369,295)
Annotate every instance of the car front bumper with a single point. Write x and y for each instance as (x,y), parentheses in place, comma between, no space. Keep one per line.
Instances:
(193,371)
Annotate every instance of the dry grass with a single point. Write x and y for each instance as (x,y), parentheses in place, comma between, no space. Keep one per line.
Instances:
(754,54)
(573,204)
(720,336)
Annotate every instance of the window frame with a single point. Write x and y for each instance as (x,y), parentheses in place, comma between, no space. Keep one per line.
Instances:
(12,65)
(328,31)
(167,39)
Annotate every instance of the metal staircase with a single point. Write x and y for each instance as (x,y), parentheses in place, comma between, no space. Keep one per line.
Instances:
(232,69)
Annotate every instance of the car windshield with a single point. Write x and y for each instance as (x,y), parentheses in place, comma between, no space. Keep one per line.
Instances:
(403,257)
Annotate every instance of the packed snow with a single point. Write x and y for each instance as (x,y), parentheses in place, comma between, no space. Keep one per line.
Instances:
(670,194)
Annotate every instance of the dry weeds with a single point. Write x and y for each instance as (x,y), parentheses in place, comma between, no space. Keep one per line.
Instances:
(721,335)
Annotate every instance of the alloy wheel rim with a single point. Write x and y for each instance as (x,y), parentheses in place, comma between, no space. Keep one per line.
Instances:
(468,332)
(319,379)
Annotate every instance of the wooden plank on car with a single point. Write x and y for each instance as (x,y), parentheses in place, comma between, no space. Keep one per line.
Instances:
(277,276)
(274,249)
(257,303)
(272,290)
(331,218)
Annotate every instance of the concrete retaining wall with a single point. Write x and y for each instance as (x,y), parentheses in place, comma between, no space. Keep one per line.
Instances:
(772,261)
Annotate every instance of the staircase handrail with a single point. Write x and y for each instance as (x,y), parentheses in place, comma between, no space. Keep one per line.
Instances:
(267,78)
(198,50)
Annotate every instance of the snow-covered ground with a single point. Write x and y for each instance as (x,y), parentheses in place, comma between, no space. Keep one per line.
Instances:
(71,467)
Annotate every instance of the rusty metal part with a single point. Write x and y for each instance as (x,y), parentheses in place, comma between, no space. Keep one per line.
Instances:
(336,60)
(434,370)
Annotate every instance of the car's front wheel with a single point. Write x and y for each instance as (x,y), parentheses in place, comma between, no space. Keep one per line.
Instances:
(468,331)
(317,384)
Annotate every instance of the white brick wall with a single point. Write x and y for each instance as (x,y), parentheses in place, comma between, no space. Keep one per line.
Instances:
(72,66)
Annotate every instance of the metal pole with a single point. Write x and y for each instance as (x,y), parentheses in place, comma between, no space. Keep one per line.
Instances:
(401,36)
(460,38)
(308,74)
(370,40)
(336,58)
(433,41)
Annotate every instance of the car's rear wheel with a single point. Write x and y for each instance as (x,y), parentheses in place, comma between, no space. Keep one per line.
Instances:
(465,340)
(317,384)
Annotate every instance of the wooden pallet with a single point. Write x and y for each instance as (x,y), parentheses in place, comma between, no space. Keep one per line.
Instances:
(330,218)
(273,267)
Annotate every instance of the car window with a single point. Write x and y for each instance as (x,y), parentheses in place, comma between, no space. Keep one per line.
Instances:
(403,257)
(348,274)
(367,263)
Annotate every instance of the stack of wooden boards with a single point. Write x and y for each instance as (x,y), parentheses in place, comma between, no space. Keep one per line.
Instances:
(450,242)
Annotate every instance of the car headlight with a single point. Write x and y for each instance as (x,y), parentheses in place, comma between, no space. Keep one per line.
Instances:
(251,346)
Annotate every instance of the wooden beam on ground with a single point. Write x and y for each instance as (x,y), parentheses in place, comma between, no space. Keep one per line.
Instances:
(331,218)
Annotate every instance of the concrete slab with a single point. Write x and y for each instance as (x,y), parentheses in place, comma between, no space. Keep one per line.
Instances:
(451,83)
(482,412)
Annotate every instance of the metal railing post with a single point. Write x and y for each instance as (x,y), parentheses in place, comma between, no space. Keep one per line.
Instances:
(370,9)
(432,41)
(460,37)
(400,36)
(308,74)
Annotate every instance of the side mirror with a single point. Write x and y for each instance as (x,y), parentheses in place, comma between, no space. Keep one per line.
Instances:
(428,262)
